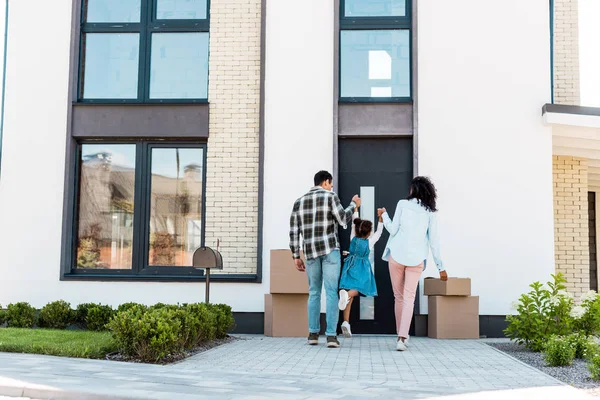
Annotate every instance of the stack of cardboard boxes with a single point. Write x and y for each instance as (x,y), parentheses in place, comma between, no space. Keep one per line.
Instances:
(453,312)
(285,304)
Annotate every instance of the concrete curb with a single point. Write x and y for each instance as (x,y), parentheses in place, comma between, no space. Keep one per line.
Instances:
(41,393)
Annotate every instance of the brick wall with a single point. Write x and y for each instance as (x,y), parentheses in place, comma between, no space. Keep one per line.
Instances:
(566,52)
(233,145)
(571,239)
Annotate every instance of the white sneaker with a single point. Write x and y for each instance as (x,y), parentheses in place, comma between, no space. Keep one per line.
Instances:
(401,346)
(344,300)
(406,340)
(346,330)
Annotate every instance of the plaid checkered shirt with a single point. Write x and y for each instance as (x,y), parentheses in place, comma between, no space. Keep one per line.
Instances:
(316,217)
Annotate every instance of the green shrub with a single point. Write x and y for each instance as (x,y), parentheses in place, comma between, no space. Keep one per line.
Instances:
(56,315)
(81,313)
(147,335)
(20,315)
(541,313)
(594,367)
(129,306)
(559,352)
(160,306)
(2,315)
(98,316)
(225,319)
(584,345)
(586,315)
(206,327)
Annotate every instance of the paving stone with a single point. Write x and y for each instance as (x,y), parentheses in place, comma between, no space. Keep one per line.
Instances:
(258,367)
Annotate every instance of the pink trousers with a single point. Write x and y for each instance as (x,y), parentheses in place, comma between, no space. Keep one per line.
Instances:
(404,283)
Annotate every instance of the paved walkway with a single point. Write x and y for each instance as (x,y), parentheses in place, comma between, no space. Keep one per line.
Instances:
(257,367)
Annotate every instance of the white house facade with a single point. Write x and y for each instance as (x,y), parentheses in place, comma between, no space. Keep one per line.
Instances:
(137,131)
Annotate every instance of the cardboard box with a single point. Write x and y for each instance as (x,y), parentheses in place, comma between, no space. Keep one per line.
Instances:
(285,278)
(453,317)
(286,315)
(451,287)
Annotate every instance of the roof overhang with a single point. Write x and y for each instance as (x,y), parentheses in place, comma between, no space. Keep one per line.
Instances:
(577,116)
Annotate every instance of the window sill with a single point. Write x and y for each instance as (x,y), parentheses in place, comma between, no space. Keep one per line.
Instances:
(374,100)
(138,103)
(214,277)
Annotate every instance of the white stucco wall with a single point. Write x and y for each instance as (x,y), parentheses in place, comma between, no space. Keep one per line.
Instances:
(298,113)
(32,177)
(483,77)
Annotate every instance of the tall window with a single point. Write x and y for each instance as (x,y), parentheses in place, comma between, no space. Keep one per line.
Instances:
(144,51)
(375,51)
(140,208)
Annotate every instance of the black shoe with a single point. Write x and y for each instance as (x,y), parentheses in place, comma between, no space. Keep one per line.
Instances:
(333,342)
(313,338)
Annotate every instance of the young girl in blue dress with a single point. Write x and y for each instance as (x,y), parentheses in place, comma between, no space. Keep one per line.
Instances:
(357,274)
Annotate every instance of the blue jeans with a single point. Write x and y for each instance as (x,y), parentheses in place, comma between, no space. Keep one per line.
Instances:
(324,269)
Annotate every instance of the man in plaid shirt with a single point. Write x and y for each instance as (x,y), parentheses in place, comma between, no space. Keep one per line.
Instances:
(316,217)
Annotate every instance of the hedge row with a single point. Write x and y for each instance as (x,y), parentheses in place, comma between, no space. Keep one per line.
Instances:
(145,333)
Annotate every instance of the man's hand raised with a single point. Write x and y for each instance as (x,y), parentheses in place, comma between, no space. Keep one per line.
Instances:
(356,200)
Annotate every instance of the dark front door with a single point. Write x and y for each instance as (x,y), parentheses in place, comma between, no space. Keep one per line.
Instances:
(379,170)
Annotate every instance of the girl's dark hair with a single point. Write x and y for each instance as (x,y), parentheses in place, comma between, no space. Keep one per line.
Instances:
(423,190)
(363,228)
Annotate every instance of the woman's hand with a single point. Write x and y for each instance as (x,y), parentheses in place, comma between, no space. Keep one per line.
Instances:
(443,275)
(380,212)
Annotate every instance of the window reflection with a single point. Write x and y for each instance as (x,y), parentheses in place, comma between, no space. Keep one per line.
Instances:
(179,65)
(127,11)
(176,206)
(375,63)
(106,204)
(181,9)
(375,8)
(110,65)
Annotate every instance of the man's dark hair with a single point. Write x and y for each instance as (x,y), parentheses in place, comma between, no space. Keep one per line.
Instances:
(322,176)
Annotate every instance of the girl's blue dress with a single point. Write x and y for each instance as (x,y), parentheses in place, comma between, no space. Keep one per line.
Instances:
(357,273)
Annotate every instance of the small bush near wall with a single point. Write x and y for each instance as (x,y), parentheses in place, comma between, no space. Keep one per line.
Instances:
(558,352)
(94,316)
(543,312)
(2,315)
(98,317)
(56,315)
(20,315)
(225,319)
(165,332)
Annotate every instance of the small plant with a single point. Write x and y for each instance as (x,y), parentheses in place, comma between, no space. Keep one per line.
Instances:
(147,335)
(98,317)
(594,367)
(541,313)
(559,352)
(20,315)
(56,315)
(81,313)
(585,347)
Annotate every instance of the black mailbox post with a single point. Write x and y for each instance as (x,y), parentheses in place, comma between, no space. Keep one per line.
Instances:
(207,259)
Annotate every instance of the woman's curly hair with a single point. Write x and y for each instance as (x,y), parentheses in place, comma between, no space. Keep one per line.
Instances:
(423,190)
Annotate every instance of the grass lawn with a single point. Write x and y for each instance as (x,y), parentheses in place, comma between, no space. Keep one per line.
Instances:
(80,344)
